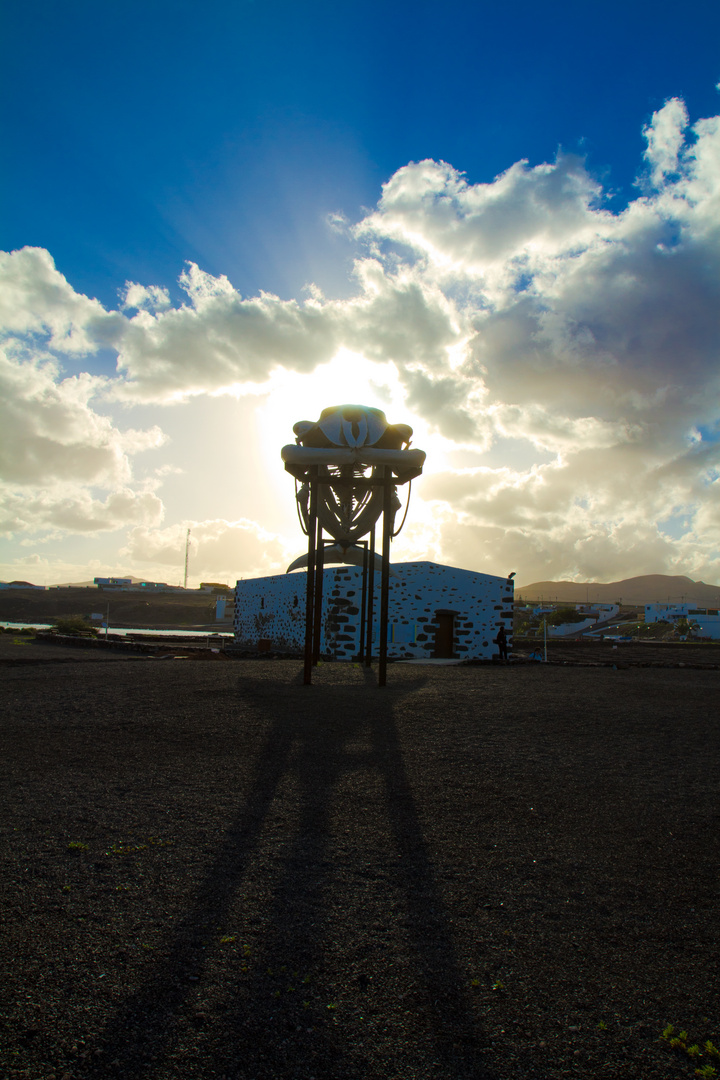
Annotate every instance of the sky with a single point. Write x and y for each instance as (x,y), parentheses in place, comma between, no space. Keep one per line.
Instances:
(498,223)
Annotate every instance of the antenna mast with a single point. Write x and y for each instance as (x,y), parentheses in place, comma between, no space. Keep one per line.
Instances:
(187,553)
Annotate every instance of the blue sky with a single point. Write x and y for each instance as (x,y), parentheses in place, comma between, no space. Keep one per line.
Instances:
(139,136)
(253,140)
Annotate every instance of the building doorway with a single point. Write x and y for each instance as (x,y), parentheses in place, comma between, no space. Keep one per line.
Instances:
(444,635)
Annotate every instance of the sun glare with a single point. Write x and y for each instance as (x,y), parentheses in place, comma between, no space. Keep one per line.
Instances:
(349,379)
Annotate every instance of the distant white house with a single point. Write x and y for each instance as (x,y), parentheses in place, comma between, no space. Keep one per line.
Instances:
(598,612)
(225,609)
(434,610)
(128,585)
(706,620)
(593,614)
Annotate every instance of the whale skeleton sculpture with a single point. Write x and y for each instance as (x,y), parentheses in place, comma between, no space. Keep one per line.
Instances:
(347,467)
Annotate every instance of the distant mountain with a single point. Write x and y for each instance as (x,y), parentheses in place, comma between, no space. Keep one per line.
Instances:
(646,589)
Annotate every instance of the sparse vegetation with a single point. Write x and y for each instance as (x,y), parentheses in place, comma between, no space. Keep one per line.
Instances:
(76,625)
(563,615)
(681,1044)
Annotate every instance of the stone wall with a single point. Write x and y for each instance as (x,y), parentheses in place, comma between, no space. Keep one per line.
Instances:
(273,609)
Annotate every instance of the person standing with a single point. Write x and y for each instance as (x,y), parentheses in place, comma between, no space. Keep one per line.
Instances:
(501,642)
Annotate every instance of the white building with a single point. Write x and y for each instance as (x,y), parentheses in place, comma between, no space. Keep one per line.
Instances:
(434,610)
(705,621)
(225,609)
(598,612)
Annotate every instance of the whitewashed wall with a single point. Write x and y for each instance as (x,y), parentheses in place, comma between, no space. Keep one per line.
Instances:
(274,608)
(707,626)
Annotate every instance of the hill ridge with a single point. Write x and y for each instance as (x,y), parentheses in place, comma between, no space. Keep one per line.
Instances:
(642,589)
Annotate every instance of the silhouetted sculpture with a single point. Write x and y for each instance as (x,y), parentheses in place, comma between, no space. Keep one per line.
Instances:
(347,467)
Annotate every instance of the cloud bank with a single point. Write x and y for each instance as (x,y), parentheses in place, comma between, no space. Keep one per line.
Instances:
(576,346)
(217,549)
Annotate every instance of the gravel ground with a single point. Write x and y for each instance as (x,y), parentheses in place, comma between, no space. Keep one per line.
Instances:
(211,870)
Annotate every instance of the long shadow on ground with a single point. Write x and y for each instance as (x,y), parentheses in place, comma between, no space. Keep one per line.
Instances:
(346,964)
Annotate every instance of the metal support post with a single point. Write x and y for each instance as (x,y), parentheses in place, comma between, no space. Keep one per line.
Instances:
(310,591)
(363,603)
(317,621)
(385,577)
(371,598)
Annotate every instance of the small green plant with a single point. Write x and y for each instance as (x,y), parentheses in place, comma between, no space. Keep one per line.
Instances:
(680,1042)
(75,625)
(227,939)
(497,985)
(77,845)
(602,1026)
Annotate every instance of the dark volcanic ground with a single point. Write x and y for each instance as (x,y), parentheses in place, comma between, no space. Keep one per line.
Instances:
(211,870)
(130,609)
(700,654)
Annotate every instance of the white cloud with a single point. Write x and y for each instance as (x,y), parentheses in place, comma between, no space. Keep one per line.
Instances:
(144,296)
(36,299)
(221,340)
(51,433)
(665,139)
(596,339)
(55,449)
(74,510)
(495,234)
(522,310)
(227,549)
